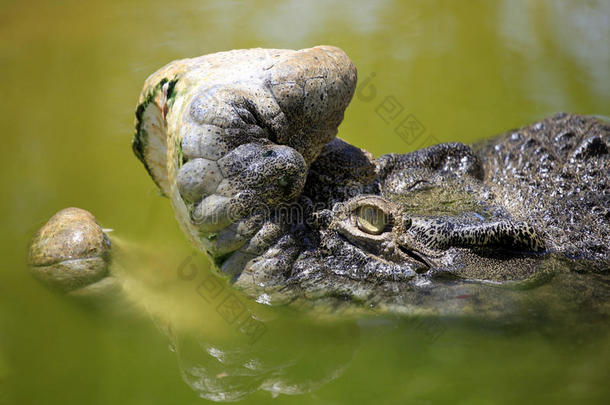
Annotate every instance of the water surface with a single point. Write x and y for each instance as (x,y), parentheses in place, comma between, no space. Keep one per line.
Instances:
(429,72)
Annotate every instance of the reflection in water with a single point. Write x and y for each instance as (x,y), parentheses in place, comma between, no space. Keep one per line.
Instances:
(291,358)
(229,346)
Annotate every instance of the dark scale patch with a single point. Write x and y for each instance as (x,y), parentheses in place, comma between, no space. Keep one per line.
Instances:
(171,90)
(220,260)
(140,139)
(565,140)
(591,147)
(530,143)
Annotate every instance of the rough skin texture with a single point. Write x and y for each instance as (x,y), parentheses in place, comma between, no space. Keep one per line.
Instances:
(238,131)
(70,251)
(243,143)
(556,175)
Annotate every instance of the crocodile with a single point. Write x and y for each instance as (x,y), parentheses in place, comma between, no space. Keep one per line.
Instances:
(244,143)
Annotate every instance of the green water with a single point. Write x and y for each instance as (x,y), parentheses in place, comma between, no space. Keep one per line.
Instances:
(461,71)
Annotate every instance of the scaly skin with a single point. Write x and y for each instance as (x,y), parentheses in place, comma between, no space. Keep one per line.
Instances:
(555,174)
(243,143)
(223,132)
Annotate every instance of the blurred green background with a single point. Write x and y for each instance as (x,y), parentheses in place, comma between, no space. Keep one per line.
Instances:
(72,74)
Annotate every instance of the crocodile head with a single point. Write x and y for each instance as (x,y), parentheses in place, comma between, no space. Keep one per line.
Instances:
(243,143)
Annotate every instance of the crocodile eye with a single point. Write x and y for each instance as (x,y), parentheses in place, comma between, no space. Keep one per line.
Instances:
(371,219)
